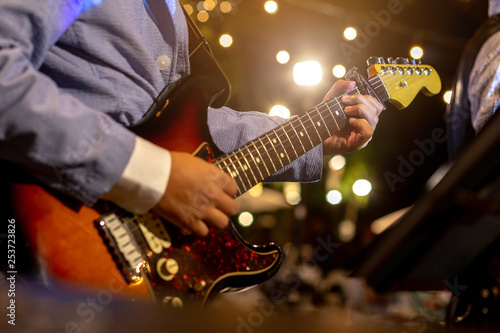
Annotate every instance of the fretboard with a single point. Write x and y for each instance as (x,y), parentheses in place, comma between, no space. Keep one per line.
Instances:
(263,156)
(260,158)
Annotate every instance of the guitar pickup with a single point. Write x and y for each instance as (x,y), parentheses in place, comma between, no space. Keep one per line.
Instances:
(122,246)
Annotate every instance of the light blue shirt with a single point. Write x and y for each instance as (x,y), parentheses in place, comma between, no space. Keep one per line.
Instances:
(484,82)
(74,73)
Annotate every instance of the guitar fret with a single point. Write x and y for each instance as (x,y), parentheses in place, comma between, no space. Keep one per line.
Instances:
(336,112)
(315,128)
(285,151)
(324,123)
(291,144)
(306,134)
(234,174)
(298,138)
(247,167)
(256,165)
(270,159)
(277,155)
(225,168)
(243,170)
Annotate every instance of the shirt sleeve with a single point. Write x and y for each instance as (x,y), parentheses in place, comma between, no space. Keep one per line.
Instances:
(144,179)
(146,175)
(484,83)
(231,129)
(66,145)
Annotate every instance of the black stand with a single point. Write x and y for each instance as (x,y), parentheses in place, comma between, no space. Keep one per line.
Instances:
(450,238)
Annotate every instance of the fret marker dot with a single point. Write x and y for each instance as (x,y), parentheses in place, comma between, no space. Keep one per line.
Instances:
(337,113)
(234,174)
(258,160)
(301,133)
(274,141)
(245,167)
(319,124)
(282,155)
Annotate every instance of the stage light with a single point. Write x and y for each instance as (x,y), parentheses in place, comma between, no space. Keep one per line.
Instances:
(447,96)
(189,9)
(202,16)
(339,71)
(271,7)
(292,193)
(337,162)
(280,111)
(307,73)
(350,33)
(347,231)
(225,7)
(334,197)
(209,4)
(226,40)
(361,187)
(283,57)
(416,52)
(245,219)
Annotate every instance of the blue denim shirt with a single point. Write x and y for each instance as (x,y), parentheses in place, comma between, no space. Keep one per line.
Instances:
(75,73)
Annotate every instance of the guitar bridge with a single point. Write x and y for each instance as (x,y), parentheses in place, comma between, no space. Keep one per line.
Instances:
(121,244)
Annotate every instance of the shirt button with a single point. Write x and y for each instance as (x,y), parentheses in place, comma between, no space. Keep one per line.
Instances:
(163,62)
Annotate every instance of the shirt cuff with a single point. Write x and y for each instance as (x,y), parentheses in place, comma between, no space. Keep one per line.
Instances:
(144,180)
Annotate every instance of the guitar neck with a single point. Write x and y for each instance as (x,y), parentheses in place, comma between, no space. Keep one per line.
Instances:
(260,158)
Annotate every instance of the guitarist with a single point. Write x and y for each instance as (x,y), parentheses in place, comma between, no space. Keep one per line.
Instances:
(74,74)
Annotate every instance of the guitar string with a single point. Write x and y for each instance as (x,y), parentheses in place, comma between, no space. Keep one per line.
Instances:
(295,119)
(278,135)
(324,107)
(397,76)
(254,147)
(257,157)
(371,80)
(248,183)
(255,164)
(379,83)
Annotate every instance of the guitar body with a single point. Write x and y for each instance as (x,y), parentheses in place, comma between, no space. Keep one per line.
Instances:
(105,247)
(109,248)
(65,242)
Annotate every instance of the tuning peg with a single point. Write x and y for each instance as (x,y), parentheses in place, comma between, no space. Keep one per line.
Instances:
(375,60)
(402,61)
(390,60)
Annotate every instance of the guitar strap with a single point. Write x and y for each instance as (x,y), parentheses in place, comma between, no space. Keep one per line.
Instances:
(203,62)
(201,58)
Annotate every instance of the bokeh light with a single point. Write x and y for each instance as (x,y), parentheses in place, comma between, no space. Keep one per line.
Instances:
(307,73)
(361,187)
(350,33)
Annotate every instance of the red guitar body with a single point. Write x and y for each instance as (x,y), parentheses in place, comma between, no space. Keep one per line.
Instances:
(80,245)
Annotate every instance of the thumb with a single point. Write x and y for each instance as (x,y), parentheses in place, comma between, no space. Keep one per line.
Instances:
(339,87)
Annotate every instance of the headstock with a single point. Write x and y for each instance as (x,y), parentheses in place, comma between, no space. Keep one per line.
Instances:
(403,79)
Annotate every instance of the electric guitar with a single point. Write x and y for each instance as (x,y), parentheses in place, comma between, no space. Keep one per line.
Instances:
(142,255)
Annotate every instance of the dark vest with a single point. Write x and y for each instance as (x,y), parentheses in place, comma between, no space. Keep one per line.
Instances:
(459,127)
